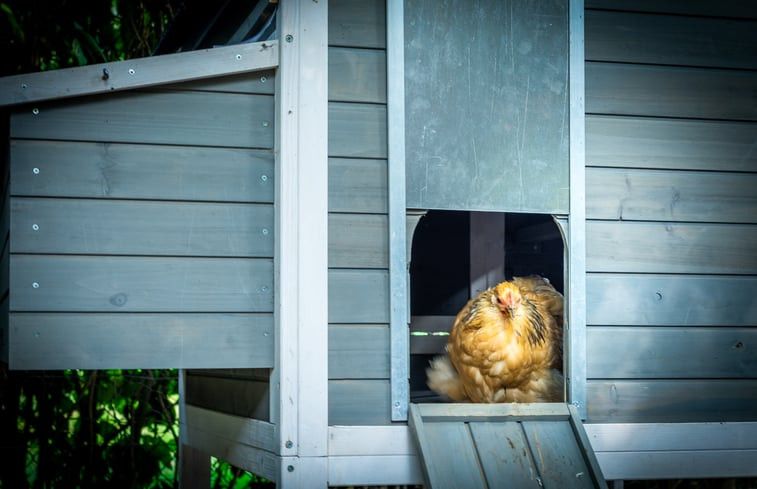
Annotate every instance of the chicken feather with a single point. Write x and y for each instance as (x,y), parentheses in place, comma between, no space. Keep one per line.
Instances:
(505,346)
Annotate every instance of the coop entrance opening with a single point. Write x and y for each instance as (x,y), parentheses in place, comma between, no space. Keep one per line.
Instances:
(457,254)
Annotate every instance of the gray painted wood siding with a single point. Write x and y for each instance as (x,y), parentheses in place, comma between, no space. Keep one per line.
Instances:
(4,228)
(671,233)
(359,392)
(141,228)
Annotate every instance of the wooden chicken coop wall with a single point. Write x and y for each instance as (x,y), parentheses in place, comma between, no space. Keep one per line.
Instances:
(359,370)
(671,206)
(358,338)
(4,235)
(141,228)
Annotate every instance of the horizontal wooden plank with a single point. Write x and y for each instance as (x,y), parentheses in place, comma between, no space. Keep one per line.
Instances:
(255,460)
(358,296)
(638,142)
(724,8)
(429,334)
(371,440)
(188,118)
(120,227)
(244,431)
(357,75)
(263,82)
(357,130)
(359,351)
(670,401)
(661,91)
(140,284)
(358,185)
(380,470)
(118,341)
(357,23)
(613,246)
(358,241)
(671,353)
(688,464)
(494,412)
(140,72)
(661,195)
(359,402)
(246,398)
(105,170)
(670,300)
(670,40)
(622,437)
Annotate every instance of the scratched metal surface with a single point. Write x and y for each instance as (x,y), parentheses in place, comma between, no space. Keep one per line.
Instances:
(486,94)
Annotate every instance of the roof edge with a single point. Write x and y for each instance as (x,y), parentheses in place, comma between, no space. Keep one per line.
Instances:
(138,73)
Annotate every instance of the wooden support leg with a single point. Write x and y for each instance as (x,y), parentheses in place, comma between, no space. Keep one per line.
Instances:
(194,465)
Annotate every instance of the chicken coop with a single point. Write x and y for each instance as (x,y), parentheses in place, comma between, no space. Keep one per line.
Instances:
(292,203)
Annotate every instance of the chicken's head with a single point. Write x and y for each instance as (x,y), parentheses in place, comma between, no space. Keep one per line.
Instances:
(506,297)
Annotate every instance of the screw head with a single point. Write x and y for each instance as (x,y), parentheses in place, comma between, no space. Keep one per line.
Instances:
(290,468)
(35,171)
(35,285)
(289,444)
(289,38)
(264,178)
(35,111)
(35,227)
(239,56)
(263,79)
(265,232)
(131,71)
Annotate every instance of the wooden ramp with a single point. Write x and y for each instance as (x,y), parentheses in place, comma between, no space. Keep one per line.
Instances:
(504,445)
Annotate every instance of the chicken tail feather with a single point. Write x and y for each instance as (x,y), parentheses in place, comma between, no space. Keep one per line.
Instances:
(444,379)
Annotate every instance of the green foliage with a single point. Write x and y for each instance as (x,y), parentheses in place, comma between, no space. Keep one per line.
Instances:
(41,35)
(90,428)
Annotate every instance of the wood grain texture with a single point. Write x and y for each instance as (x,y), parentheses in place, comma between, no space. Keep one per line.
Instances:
(357,75)
(613,246)
(558,456)
(670,40)
(359,402)
(359,351)
(118,227)
(358,296)
(724,8)
(357,23)
(674,401)
(357,130)
(106,341)
(358,241)
(662,91)
(140,284)
(638,142)
(185,118)
(137,171)
(614,299)
(660,195)
(667,353)
(358,185)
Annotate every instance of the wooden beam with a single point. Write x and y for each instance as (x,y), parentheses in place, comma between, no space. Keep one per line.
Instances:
(138,73)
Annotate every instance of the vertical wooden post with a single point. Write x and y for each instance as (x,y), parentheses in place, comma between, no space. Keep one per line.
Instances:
(576,281)
(299,384)
(487,250)
(194,466)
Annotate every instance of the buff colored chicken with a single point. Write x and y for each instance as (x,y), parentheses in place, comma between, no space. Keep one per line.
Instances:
(505,346)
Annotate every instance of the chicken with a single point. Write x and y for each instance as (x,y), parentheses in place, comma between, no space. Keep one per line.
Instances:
(505,346)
